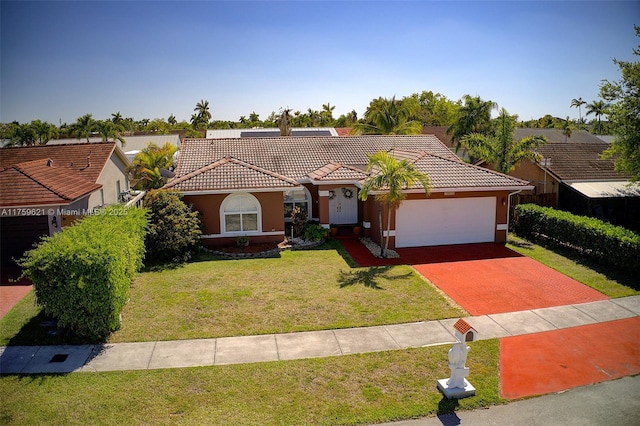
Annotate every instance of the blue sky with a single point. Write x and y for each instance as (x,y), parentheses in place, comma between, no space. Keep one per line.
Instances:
(145,59)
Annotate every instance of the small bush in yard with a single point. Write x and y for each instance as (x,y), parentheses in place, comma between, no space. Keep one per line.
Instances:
(314,232)
(174,229)
(608,244)
(82,274)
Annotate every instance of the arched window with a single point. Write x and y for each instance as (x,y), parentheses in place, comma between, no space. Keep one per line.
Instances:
(240,213)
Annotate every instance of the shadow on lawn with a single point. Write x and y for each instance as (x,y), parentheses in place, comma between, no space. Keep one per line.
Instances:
(41,330)
(368,277)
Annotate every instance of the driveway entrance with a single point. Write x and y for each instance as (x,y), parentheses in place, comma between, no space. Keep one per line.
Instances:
(486,278)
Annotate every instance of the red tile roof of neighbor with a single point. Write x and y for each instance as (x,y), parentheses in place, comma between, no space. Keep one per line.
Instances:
(58,174)
(40,182)
(580,161)
(323,158)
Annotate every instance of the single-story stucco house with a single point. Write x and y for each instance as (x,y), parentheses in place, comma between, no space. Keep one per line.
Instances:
(249,186)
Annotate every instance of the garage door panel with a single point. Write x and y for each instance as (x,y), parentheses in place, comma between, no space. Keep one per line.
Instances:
(441,222)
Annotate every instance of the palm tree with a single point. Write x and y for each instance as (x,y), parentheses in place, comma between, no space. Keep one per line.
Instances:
(501,150)
(43,131)
(599,108)
(284,122)
(389,178)
(172,120)
(203,113)
(473,117)
(389,117)
(84,127)
(326,116)
(108,130)
(578,103)
(117,118)
(149,165)
(567,129)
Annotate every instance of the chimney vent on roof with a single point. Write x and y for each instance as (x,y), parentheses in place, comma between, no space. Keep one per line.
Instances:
(49,162)
(89,159)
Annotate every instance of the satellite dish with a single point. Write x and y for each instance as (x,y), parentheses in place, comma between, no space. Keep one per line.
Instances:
(166,173)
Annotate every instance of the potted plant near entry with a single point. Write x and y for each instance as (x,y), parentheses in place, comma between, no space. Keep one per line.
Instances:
(242,241)
(357,229)
(334,229)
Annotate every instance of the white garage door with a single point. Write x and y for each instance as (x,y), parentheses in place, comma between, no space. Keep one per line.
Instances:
(441,222)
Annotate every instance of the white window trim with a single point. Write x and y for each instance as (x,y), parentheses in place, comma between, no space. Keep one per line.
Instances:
(223,230)
(307,194)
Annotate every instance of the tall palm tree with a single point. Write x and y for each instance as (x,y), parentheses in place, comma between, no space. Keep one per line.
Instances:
(84,127)
(203,112)
(473,117)
(501,150)
(326,115)
(577,103)
(284,122)
(117,118)
(108,130)
(389,178)
(599,108)
(389,117)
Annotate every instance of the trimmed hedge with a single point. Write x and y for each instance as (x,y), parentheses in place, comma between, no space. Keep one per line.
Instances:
(608,244)
(82,274)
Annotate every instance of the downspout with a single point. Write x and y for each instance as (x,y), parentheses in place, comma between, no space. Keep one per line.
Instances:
(509,210)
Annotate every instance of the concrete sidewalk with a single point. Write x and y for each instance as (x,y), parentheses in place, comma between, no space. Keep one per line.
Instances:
(315,344)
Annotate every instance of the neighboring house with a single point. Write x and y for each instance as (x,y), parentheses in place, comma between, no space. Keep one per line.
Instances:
(249,186)
(46,187)
(269,132)
(133,144)
(574,177)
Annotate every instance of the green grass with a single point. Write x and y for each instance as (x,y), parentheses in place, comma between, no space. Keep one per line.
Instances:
(299,291)
(611,283)
(354,389)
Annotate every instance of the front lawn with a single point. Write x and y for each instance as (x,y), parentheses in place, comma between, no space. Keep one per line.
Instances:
(355,389)
(299,291)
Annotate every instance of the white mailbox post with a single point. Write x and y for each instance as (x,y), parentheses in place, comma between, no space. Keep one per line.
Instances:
(457,386)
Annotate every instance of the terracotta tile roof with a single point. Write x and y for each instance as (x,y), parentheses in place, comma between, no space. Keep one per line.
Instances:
(301,158)
(462,326)
(556,135)
(230,173)
(51,174)
(86,159)
(40,182)
(447,173)
(580,161)
(336,171)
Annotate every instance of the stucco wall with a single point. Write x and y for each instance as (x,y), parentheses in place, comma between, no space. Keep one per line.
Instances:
(372,209)
(114,171)
(272,217)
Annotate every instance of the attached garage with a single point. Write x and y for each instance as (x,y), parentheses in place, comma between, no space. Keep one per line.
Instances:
(19,234)
(446,221)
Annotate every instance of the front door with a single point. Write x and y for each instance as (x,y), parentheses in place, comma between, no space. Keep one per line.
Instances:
(343,206)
